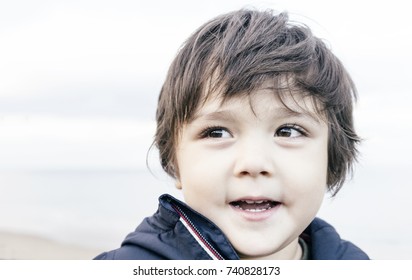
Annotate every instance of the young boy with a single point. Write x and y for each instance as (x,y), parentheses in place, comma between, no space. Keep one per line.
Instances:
(254,122)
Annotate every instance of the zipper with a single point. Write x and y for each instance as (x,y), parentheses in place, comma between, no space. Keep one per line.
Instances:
(210,250)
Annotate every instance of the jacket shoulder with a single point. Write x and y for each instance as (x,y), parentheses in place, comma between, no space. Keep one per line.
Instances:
(159,237)
(326,243)
(148,241)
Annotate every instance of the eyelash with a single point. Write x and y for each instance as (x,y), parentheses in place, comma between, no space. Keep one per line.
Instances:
(294,126)
(205,133)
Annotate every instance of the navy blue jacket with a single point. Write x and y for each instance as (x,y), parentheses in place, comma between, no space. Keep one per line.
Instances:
(178,232)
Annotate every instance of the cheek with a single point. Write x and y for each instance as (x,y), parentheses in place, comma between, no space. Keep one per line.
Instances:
(197,173)
(305,189)
(197,161)
(306,172)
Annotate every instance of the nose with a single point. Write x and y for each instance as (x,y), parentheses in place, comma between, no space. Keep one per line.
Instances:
(254,158)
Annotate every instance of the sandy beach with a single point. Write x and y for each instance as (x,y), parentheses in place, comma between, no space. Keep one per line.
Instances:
(27,247)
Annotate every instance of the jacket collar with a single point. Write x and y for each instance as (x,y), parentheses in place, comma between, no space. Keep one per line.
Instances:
(323,240)
(204,231)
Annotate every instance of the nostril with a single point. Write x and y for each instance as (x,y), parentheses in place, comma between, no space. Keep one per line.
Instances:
(244,173)
(264,173)
(248,173)
(248,164)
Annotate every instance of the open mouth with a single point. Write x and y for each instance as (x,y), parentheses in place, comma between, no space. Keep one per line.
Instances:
(254,205)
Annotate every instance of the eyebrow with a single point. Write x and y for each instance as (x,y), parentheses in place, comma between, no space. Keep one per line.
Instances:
(213,116)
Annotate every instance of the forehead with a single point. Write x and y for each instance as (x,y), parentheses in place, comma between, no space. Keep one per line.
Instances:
(266,100)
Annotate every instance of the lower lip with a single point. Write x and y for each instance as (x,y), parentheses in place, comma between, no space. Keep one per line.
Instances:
(256,216)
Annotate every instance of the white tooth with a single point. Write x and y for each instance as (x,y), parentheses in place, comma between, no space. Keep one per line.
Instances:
(254,201)
(255,210)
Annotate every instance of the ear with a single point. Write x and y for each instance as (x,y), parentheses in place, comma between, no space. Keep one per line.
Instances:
(178,184)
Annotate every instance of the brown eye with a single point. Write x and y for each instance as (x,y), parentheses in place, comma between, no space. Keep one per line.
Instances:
(289,131)
(216,132)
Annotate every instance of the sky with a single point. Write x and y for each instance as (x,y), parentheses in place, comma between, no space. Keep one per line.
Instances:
(79,79)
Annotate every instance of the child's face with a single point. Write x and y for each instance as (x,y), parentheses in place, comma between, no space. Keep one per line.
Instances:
(256,169)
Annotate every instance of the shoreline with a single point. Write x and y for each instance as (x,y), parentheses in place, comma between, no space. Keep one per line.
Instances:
(19,246)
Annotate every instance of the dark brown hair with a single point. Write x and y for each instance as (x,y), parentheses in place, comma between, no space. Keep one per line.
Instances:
(234,54)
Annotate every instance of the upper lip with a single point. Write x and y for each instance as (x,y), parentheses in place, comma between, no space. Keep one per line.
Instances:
(259,199)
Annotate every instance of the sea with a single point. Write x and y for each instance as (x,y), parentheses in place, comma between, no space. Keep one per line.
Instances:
(98,208)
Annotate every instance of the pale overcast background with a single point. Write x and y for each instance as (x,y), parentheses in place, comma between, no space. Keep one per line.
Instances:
(79,82)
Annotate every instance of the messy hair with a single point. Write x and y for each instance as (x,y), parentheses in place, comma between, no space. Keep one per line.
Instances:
(236,53)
